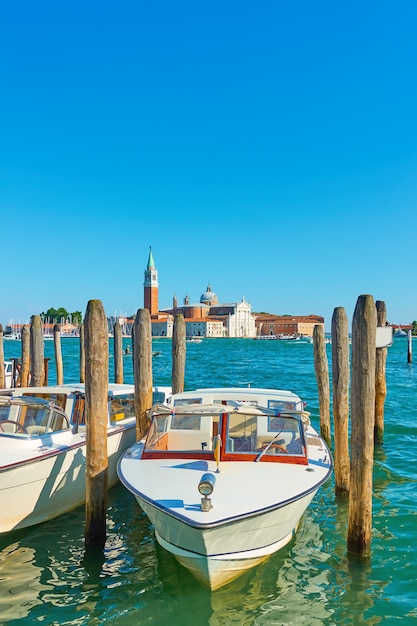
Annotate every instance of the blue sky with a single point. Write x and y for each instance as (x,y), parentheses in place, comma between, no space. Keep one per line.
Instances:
(267,148)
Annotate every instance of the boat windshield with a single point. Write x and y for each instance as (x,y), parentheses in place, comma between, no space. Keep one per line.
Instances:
(183,432)
(30,417)
(265,433)
(244,431)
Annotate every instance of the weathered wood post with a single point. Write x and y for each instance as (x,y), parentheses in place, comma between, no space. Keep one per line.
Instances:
(25,367)
(362,426)
(322,375)
(341,378)
(2,372)
(58,355)
(178,354)
(380,378)
(82,354)
(118,353)
(142,369)
(36,352)
(410,347)
(96,398)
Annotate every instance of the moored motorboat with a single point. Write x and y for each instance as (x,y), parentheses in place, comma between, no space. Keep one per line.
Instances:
(225,475)
(43,448)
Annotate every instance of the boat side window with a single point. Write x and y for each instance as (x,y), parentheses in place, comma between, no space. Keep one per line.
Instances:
(186,401)
(122,407)
(281,405)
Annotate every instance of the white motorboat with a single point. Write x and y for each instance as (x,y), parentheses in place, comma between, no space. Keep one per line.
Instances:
(225,475)
(43,448)
(8,373)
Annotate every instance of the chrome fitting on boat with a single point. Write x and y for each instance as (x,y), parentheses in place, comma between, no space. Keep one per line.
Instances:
(205,487)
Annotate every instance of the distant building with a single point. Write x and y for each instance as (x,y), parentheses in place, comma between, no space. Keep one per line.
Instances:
(206,318)
(303,325)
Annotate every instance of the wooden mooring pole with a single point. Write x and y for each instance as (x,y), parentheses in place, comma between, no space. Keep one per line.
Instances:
(380,378)
(410,347)
(96,399)
(362,426)
(142,369)
(341,378)
(118,353)
(178,354)
(58,355)
(82,354)
(25,366)
(37,361)
(322,374)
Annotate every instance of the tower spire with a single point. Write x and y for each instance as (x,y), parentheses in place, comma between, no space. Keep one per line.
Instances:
(150,286)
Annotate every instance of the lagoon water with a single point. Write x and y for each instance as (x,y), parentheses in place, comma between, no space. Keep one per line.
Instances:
(46,577)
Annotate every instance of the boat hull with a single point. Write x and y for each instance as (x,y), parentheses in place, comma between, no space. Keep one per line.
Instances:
(53,481)
(218,555)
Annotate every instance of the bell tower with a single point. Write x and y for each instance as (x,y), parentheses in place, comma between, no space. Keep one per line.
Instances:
(150,286)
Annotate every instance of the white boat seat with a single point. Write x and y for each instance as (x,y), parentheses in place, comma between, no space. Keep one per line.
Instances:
(35,430)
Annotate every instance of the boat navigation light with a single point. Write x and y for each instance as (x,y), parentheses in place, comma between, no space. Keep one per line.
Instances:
(205,487)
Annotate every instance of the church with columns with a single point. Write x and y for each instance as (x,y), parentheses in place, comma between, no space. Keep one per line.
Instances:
(206,318)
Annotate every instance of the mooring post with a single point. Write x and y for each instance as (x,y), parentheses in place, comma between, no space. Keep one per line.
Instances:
(322,374)
(82,354)
(362,426)
(2,372)
(58,355)
(118,353)
(25,366)
(410,347)
(37,362)
(341,378)
(178,354)
(142,370)
(380,377)
(96,410)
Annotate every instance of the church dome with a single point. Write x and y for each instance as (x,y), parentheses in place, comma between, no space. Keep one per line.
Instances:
(208,297)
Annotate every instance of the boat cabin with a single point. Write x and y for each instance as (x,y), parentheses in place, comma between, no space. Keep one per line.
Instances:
(227,433)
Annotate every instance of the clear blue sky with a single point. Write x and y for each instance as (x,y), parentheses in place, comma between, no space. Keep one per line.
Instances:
(267,148)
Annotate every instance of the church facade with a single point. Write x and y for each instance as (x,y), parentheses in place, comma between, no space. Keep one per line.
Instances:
(206,318)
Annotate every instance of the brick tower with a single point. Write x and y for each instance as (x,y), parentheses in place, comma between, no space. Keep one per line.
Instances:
(150,286)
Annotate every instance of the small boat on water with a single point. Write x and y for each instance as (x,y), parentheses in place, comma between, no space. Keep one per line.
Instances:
(13,336)
(225,475)
(43,448)
(194,340)
(8,373)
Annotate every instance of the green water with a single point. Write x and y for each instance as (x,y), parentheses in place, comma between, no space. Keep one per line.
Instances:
(47,578)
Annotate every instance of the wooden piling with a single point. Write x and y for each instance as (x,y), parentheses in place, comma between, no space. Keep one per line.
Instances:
(341,378)
(380,378)
(58,355)
(142,370)
(2,372)
(82,354)
(37,362)
(410,347)
(178,354)
(322,376)
(362,426)
(25,367)
(118,353)
(96,398)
